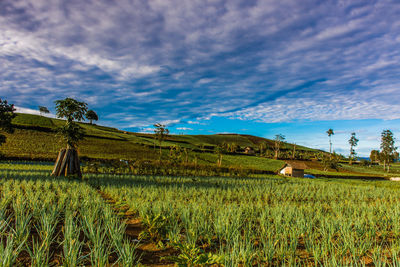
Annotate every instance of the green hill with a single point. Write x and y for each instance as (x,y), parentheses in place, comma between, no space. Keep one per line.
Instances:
(36,138)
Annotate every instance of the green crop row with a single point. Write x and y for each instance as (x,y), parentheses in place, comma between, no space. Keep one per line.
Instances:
(267,221)
(53,222)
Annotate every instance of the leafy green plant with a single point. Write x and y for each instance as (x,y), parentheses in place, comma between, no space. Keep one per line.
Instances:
(155,227)
(71,245)
(9,251)
(189,255)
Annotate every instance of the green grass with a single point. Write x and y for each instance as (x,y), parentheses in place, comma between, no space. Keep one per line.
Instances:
(189,141)
(42,218)
(334,173)
(244,161)
(33,120)
(109,143)
(293,221)
(266,221)
(374,169)
(216,139)
(30,166)
(32,144)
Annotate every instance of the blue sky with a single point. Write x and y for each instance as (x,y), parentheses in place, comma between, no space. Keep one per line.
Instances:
(256,67)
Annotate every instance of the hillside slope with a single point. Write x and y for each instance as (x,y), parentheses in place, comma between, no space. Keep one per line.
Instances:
(36,137)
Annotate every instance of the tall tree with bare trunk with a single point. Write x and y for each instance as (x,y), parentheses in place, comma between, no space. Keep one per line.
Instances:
(330,133)
(160,132)
(279,138)
(387,149)
(67,163)
(353,141)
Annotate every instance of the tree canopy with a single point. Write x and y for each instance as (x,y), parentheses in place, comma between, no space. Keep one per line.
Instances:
(387,148)
(160,132)
(6,116)
(92,116)
(279,138)
(71,109)
(43,109)
(374,156)
(353,141)
(330,133)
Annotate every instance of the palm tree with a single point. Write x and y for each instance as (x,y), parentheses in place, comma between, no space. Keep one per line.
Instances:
(330,133)
(160,132)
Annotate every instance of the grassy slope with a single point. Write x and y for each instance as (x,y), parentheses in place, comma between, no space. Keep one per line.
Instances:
(375,169)
(36,138)
(190,141)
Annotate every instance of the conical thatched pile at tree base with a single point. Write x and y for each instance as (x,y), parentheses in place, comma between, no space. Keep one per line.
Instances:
(67,163)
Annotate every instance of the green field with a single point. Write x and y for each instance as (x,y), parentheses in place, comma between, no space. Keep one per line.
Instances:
(35,138)
(125,220)
(375,169)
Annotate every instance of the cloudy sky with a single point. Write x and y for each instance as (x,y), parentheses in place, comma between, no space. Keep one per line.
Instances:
(255,67)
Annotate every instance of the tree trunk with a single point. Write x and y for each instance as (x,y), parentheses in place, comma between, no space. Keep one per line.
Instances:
(219,160)
(186,156)
(160,154)
(294,152)
(67,163)
(276,154)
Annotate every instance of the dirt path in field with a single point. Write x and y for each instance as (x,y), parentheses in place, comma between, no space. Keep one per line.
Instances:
(149,253)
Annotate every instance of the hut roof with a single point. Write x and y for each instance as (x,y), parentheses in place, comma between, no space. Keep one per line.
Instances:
(296,165)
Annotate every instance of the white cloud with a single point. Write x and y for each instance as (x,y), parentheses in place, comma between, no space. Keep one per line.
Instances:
(325,107)
(146,130)
(152,60)
(205,81)
(33,111)
(169,122)
(32,46)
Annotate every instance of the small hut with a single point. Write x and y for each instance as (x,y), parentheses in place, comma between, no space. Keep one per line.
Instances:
(249,150)
(294,169)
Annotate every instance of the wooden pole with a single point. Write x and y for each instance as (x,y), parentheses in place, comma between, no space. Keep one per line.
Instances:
(57,166)
(67,163)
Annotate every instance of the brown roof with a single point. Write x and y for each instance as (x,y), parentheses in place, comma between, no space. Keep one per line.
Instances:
(296,165)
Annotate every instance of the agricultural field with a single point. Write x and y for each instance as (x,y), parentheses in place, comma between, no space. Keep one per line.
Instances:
(125,220)
(36,138)
(53,222)
(374,169)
